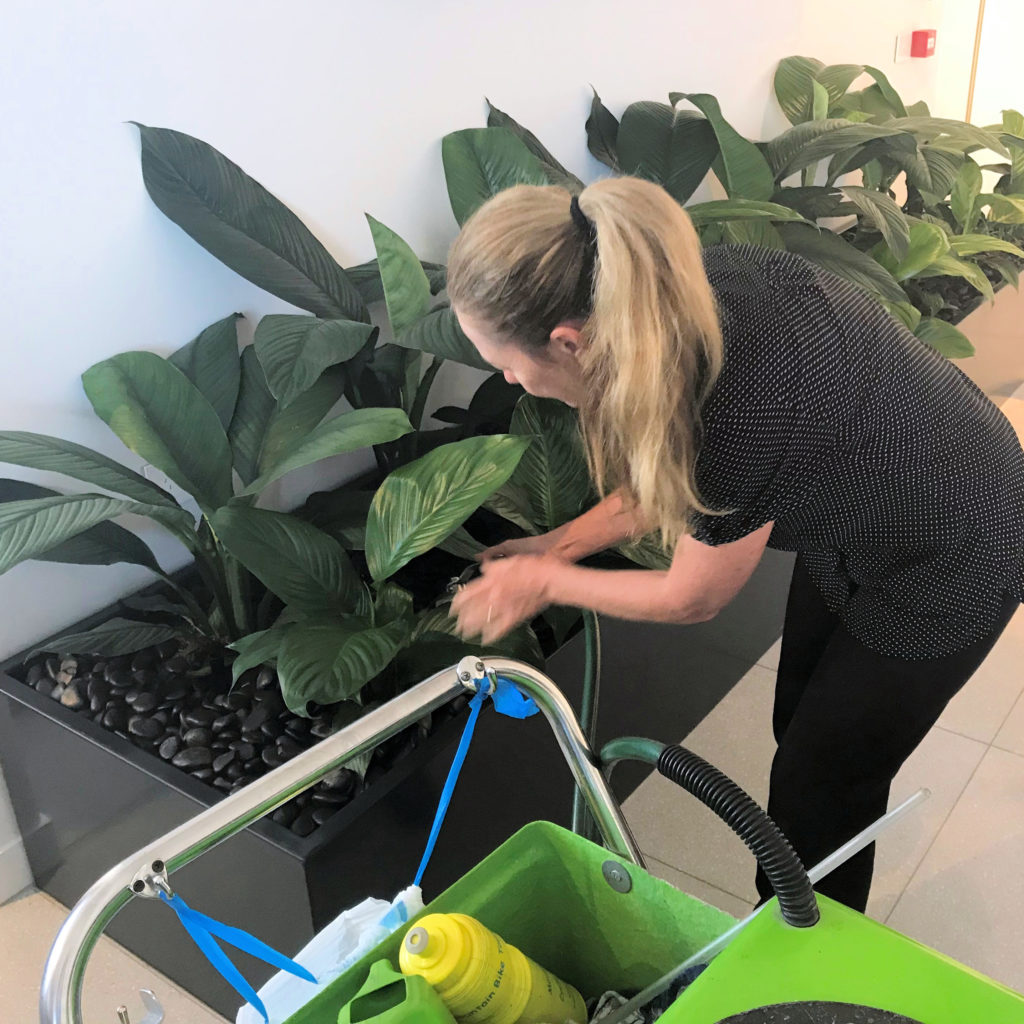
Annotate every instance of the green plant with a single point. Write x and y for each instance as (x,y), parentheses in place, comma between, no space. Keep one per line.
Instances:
(916,253)
(274,586)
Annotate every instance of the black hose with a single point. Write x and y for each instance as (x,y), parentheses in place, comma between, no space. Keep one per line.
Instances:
(771,848)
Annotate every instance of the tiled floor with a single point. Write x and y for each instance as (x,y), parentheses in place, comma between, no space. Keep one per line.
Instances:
(28,925)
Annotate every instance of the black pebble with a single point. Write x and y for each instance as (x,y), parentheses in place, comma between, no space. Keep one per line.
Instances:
(177,665)
(272,729)
(341,780)
(265,680)
(224,784)
(329,796)
(192,757)
(175,691)
(144,702)
(271,758)
(196,718)
(224,722)
(235,770)
(144,728)
(255,719)
(321,728)
(222,761)
(115,718)
(97,689)
(197,737)
(288,747)
(35,673)
(203,774)
(298,728)
(322,813)
(146,678)
(167,649)
(169,747)
(285,814)
(304,824)
(238,700)
(118,677)
(246,750)
(44,685)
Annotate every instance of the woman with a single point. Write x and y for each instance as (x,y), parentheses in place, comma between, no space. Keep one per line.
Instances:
(740,397)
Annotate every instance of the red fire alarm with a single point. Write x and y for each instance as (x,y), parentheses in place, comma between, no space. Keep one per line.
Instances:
(922,43)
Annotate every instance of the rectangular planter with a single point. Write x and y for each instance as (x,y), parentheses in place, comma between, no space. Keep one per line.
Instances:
(86,798)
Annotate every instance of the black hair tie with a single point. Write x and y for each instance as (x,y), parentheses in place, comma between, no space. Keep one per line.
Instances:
(583,223)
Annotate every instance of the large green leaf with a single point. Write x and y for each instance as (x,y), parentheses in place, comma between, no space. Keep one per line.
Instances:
(52,455)
(602,129)
(806,144)
(421,503)
(944,337)
(553,470)
(103,544)
(888,94)
(328,663)
(261,433)
(513,504)
(949,265)
(932,128)
(439,334)
(673,148)
(556,173)
(794,78)
(971,245)
(406,288)
(943,168)
(746,172)
(1003,209)
(302,565)
(837,256)
(1013,136)
(348,432)
(812,201)
(752,232)
(32,527)
(881,211)
(647,551)
(964,196)
(881,157)
(740,209)
(481,162)
(210,361)
(1007,269)
(159,414)
(294,351)
(243,225)
(927,243)
(113,638)
(366,277)
(837,78)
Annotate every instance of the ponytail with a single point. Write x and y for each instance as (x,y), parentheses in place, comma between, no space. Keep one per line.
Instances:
(652,341)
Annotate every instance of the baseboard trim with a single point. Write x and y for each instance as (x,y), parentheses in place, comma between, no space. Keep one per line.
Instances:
(15,874)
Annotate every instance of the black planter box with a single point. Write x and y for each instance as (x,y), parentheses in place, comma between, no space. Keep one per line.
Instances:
(86,798)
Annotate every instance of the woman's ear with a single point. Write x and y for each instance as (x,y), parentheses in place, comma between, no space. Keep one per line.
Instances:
(566,338)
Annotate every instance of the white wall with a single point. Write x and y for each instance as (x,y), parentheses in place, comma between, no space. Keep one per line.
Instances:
(337,108)
(999,84)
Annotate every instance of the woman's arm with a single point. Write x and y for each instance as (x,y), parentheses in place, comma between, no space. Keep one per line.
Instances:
(701,581)
(609,522)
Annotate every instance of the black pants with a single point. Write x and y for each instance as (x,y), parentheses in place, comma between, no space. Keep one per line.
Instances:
(845,720)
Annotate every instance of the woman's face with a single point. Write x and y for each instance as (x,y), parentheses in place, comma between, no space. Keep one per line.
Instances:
(550,372)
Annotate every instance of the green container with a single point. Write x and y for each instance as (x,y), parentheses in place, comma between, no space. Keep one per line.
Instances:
(543,891)
(389,997)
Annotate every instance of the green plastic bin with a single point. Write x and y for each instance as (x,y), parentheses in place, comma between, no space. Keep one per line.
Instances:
(544,891)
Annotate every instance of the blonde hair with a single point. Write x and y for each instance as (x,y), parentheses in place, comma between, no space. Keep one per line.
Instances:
(653,344)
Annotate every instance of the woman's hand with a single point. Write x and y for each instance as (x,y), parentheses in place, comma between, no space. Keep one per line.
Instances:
(511,590)
(539,545)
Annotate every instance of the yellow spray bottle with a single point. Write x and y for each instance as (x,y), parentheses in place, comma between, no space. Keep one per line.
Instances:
(484,980)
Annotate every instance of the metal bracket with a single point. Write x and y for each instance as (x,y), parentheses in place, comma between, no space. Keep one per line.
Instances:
(150,1003)
(472,671)
(151,880)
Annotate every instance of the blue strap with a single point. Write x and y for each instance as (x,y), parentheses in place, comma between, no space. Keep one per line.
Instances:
(507,701)
(202,930)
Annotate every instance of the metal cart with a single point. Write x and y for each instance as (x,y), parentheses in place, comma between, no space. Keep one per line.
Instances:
(603,922)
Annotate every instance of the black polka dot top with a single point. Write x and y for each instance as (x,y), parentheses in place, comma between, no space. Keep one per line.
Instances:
(900,483)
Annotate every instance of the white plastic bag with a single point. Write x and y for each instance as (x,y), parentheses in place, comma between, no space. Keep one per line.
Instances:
(331,952)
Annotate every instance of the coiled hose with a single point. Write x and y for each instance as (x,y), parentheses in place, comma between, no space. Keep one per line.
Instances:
(771,848)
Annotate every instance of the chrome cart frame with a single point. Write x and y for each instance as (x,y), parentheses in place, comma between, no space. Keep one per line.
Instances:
(146,872)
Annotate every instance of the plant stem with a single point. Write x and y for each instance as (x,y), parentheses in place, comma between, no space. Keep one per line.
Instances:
(240,591)
(212,573)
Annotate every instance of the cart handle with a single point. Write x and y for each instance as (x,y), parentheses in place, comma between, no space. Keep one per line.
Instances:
(60,996)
